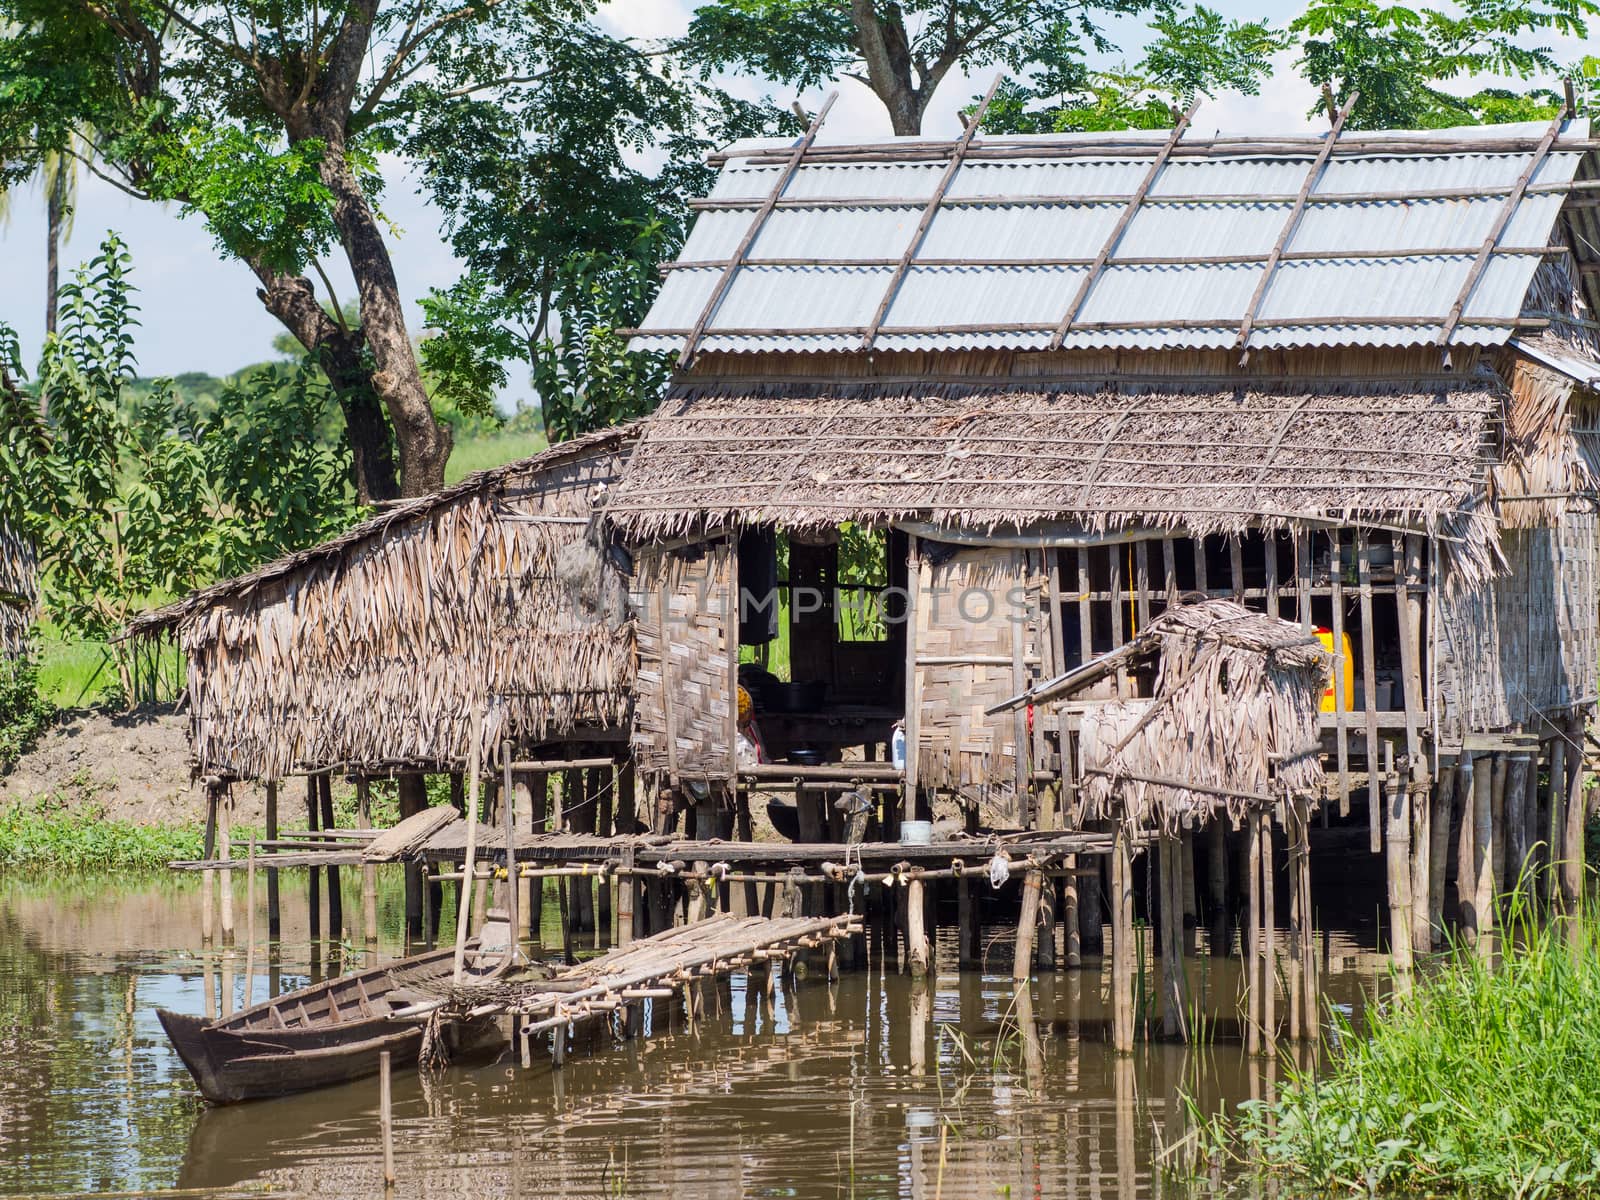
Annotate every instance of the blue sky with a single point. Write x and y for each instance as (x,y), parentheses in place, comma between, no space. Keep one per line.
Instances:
(200,312)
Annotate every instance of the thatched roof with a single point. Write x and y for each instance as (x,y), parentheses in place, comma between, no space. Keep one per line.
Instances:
(1008,454)
(19,591)
(369,652)
(1234,714)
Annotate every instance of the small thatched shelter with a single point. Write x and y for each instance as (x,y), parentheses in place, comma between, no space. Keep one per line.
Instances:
(368,653)
(1230,722)
(19,592)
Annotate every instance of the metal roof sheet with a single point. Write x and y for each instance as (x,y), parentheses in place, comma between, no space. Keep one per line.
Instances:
(1026,230)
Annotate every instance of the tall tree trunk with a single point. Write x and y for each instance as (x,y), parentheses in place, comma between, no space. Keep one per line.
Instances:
(56,218)
(294,302)
(886,51)
(424,442)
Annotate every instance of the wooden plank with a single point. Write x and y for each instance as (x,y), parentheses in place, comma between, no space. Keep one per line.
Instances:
(1202,583)
(1341,702)
(1236,566)
(1369,691)
(1502,219)
(691,345)
(957,153)
(1141,576)
(1129,210)
(1290,224)
(1169,565)
(1269,544)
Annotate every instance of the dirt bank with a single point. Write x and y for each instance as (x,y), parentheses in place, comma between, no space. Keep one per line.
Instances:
(134,766)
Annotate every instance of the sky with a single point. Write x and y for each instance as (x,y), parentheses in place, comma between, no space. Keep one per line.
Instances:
(200,311)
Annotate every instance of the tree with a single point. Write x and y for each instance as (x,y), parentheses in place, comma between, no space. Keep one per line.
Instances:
(901,51)
(134,497)
(270,119)
(1397,58)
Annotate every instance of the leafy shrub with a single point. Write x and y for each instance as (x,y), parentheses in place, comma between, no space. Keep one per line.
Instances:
(24,713)
(47,833)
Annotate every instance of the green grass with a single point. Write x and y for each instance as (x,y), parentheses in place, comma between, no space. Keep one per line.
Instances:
(1482,1081)
(492,450)
(70,673)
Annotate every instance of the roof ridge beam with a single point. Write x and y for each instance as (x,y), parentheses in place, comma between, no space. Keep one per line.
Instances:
(928,212)
(1134,201)
(1313,177)
(691,344)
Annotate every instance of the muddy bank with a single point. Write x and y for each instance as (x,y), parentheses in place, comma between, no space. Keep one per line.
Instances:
(133,766)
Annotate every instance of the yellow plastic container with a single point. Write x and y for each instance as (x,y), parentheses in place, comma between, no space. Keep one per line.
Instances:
(1344,661)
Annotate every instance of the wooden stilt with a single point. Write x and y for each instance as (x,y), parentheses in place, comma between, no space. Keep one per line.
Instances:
(627,899)
(1122,981)
(386,1118)
(917,950)
(335,892)
(470,863)
(369,874)
(1311,991)
(1269,937)
(1497,827)
(1189,902)
(1173,1017)
(1071,934)
(1044,952)
(1576,812)
(412,792)
(967,944)
(1484,783)
(1421,847)
(1515,827)
(225,849)
(1472,777)
(1556,816)
(274,915)
(1397,863)
(207,877)
(1027,925)
(250,923)
(1444,790)
(1217,886)
(1251,934)
(1091,907)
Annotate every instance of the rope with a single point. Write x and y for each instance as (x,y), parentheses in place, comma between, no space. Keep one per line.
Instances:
(999,869)
(858,879)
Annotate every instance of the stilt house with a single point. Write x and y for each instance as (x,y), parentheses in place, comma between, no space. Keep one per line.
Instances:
(368,653)
(980,410)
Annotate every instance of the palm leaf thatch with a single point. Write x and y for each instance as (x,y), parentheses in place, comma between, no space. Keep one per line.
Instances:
(1234,713)
(370,651)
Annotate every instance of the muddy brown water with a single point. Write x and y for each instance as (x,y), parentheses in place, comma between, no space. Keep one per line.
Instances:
(868,1087)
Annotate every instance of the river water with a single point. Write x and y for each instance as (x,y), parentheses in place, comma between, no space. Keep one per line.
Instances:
(868,1087)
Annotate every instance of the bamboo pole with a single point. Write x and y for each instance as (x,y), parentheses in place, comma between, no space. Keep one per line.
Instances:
(386,1117)
(369,873)
(1027,926)
(225,880)
(1071,934)
(1311,1003)
(335,892)
(1269,937)
(250,922)
(1397,838)
(464,904)
(1121,941)
(917,950)
(1252,937)
(274,914)
(1555,833)
(1484,786)
(313,876)
(207,882)
(508,827)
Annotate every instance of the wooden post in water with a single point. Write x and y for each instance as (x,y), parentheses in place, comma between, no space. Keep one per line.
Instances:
(509,830)
(313,876)
(1027,925)
(1269,938)
(207,880)
(335,892)
(225,851)
(469,868)
(966,920)
(369,873)
(1044,950)
(1217,886)
(1071,935)
(917,951)
(386,1117)
(1444,790)
(1251,935)
(1121,941)
(411,790)
(250,922)
(1171,928)
(274,915)
(1305,941)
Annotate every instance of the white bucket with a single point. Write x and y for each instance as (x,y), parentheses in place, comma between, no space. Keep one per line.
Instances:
(916,833)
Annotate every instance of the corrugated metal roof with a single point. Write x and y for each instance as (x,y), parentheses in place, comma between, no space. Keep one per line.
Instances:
(1028,228)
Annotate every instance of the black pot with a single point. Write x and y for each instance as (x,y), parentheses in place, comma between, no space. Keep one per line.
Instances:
(795,697)
(805,757)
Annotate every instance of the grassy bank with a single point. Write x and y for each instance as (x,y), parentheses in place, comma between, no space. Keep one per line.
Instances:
(81,839)
(1482,1081)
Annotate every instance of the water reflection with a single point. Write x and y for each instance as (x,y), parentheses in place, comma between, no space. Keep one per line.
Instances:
(874,1086)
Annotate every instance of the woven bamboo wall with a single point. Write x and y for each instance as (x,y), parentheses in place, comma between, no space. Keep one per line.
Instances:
(970,655)
(1526,642)
(682,603)
(19,592)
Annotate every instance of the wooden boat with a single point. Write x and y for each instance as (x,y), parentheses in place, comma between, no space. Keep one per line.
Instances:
(333,1031)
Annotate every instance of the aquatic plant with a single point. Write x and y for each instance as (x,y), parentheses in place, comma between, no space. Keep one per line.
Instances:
(47,833)
(1484,1079)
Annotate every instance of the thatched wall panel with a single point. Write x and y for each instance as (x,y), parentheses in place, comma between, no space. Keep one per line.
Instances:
(683,602)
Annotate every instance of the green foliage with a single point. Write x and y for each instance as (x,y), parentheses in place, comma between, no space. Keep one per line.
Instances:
(133,496)
(49,833)
(1192,54)
(24,712)
(1397,57)
(1484,1080)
